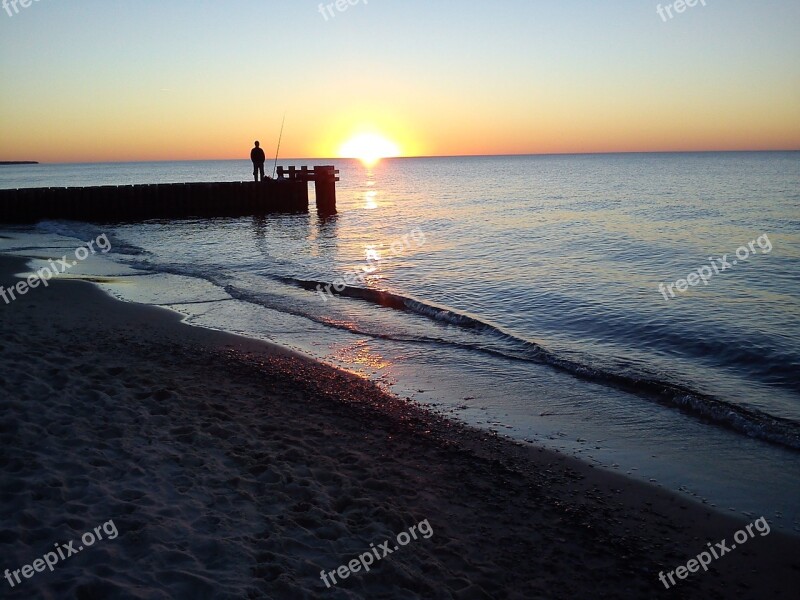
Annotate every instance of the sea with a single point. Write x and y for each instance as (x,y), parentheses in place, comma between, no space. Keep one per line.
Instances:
(637,311)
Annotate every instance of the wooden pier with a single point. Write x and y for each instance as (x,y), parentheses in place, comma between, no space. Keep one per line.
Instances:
(118,203)
(324,179)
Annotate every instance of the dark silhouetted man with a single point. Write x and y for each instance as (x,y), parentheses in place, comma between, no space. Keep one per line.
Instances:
(258,158)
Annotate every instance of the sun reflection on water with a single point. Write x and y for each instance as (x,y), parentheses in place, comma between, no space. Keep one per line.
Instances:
(362,354)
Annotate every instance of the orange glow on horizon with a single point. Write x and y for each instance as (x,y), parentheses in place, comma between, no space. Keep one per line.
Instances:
(369,133)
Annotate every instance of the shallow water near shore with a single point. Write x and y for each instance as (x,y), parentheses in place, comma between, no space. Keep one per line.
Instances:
(519,294)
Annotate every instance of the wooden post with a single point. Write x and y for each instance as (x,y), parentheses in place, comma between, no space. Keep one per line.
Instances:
(325,187)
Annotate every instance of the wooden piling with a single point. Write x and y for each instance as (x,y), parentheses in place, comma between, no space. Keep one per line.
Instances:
(325,179)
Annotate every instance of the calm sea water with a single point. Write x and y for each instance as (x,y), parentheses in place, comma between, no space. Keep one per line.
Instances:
(520,294)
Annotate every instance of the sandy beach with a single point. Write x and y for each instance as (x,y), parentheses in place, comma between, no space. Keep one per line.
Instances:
(230,468)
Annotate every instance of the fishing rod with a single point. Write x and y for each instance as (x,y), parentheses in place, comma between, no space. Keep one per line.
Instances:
(275,168)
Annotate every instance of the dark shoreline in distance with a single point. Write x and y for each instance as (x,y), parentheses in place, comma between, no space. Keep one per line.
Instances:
(18,162)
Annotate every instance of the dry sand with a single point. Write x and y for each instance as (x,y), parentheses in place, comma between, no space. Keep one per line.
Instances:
(233,469)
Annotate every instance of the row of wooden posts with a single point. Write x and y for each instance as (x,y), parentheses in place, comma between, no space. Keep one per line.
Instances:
(287,193)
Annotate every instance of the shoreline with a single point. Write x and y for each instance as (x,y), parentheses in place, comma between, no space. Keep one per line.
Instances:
(289,466)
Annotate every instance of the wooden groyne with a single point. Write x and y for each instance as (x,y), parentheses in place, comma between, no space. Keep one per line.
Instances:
(113,203)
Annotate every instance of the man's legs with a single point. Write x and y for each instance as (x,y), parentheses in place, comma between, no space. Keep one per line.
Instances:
(258,169)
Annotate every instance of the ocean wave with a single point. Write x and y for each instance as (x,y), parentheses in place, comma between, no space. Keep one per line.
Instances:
(82,231)
(746,420)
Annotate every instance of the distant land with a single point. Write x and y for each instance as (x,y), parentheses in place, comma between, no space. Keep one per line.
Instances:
(18,162)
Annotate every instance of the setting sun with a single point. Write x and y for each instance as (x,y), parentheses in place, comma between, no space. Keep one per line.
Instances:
(369,148)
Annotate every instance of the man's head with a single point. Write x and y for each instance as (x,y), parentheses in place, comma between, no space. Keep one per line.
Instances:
(257,144)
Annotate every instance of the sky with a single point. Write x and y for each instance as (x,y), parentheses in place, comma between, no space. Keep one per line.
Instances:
(114,80)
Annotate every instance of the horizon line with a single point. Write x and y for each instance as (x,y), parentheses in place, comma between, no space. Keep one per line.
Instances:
(510,155)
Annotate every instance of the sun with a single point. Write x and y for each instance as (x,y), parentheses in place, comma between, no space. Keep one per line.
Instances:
(369,148)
